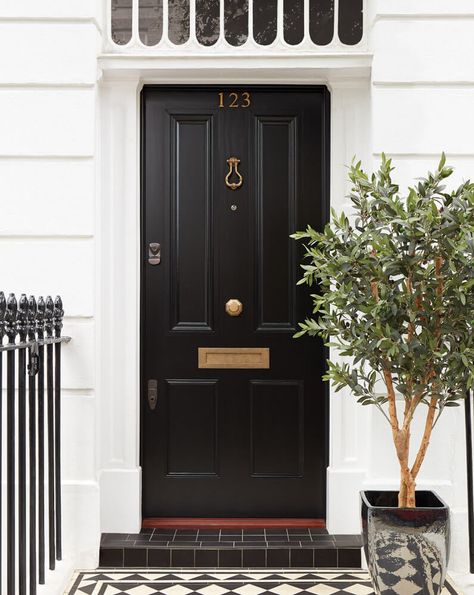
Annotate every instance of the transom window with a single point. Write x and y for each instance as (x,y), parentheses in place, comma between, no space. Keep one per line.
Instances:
(238,22)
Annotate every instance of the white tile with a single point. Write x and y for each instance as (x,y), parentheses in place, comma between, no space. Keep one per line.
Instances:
(322,589)
(248,590)
(214,590)
(285,590)
(141,590)
(176,590)
(359,589)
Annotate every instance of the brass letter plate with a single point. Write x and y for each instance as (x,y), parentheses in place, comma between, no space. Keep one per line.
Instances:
(234,357)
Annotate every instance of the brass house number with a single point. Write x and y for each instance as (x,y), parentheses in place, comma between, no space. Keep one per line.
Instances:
(235,100)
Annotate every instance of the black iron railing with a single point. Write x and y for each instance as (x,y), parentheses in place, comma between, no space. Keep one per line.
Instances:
(30,371)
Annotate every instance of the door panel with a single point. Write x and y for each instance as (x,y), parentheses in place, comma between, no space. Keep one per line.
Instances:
(276,173)
(231,441)
(191,299)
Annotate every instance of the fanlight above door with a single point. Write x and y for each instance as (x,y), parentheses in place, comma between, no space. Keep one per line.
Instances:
(253,24)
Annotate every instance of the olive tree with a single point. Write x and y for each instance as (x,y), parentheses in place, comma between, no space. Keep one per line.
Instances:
(395,297)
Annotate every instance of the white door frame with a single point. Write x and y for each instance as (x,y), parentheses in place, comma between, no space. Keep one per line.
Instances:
(118,267)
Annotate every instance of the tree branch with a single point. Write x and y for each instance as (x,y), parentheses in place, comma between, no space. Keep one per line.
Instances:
(426,438)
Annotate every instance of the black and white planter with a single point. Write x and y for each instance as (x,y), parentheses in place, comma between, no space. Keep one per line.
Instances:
(407,549)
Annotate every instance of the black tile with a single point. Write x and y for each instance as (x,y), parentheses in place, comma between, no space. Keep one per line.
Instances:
(144,530)
(301,558)
(280,537)
(159,558)
(224,544)
(214,532)
(182,558)
(113,537)
(206,558)
(328,544)
(254,537)
(111,558)
(277,543)
(135,557)
(227,532)
(154,544)
(167,532)
(139,536)
(231,558)
(205,538)
(348,540)
(187,532)
(278,558)
(253,544)
(232,537)
(325,558)
(186,544)
(253,558)
(299,532)
(276,532)
(348,558)
(189,537)
(318,531)
(155,537)
(254,532)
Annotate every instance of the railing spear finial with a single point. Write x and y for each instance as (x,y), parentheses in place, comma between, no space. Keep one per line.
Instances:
(10,317)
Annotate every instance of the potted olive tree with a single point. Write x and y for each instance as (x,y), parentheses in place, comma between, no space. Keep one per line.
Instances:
(395,298)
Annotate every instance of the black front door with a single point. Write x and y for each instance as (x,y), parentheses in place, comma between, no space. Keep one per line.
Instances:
(234,409)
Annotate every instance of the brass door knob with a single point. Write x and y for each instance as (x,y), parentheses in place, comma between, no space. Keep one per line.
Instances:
(234,307)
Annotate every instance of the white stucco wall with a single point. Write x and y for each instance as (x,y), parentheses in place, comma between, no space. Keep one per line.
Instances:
(48,150)
(422,93)
(69,223)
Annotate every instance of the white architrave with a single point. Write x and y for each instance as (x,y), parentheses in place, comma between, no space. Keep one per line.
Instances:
(118,230)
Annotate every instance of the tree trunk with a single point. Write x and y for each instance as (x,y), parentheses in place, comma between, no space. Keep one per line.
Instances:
(406,496)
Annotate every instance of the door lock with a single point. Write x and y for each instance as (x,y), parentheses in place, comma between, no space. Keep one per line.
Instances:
(152,394)
(154,253)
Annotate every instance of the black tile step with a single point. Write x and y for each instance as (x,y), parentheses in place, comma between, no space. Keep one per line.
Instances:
(258,548)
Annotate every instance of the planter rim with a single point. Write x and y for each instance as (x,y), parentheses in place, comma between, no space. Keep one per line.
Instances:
(369,505)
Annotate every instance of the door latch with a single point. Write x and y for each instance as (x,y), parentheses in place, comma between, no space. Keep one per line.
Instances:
(154,253)
(152,394)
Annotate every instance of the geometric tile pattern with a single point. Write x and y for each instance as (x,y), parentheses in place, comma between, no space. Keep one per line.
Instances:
(227,582)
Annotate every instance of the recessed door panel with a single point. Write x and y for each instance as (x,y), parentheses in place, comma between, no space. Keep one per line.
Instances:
(192,412)
(276,188)
(277,428)
(236,421)
(191,144)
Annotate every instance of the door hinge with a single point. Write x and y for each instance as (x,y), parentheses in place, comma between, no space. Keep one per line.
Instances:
(152,393)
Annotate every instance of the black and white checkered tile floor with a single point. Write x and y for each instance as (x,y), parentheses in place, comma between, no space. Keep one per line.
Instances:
(226,582)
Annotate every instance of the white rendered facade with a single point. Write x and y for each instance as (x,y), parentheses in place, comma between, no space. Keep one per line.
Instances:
(69,181)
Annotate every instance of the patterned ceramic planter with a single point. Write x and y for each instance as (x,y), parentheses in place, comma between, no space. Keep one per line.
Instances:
(407,550)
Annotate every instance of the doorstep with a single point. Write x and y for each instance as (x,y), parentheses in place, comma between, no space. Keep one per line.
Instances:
(230,548)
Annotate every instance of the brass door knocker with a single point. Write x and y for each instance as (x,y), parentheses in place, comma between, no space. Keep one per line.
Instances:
(233,165)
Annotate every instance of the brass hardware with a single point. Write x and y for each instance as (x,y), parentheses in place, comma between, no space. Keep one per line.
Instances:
(233,165)
(152,393)
(234,357)
(154,253)
(234,307)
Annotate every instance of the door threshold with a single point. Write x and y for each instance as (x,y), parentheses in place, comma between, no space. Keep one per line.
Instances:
(231,523)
